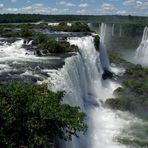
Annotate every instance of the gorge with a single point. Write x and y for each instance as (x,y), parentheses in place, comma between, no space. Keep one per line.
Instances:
(79,75)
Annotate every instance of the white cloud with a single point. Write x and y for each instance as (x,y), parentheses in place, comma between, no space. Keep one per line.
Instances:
(82,11)
(70,5)
(1,5)
(145,6)
(66,4)
(12,10)
(83,5)
(114,0)
(108,7)
(136,4)
(37,8)
(133,3)
(13,1)
(121,12)
(65,10)
(62,3)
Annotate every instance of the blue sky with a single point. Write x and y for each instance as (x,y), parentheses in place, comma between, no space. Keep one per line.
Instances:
(95,7)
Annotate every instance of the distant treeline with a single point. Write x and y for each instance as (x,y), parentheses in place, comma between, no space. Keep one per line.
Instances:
(21,18)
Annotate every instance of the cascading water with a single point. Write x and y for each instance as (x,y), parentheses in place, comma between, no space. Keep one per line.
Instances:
(120,31)
(105,64)
(23,65)
(113,29)
(81,78)
(103,51)
(14,51)
(141,56)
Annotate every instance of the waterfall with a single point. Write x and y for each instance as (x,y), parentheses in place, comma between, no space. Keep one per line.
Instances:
(120,32)
(81,79)
(113,29)
(141,56)
(103,51)
(105,64)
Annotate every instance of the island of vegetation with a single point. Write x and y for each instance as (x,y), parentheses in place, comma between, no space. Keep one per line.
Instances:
(45,44)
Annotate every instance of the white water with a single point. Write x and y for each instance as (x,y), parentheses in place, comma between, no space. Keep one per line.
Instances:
(53,24)
(16,52)
(81,79)
(141,56)
(120,32)
(102,49)
(113,29)
(17,63)
(105,64)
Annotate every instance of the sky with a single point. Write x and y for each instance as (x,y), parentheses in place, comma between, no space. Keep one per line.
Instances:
(82,7)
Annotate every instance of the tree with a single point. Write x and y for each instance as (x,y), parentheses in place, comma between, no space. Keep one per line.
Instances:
(25,32)
(33,116)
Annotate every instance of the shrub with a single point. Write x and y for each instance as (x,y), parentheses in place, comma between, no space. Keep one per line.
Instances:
(96,42)
(33,116)
(75,27)
(80,27)
(50,45)
(25,32)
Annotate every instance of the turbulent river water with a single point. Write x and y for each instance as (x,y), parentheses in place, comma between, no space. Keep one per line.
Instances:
(81,78)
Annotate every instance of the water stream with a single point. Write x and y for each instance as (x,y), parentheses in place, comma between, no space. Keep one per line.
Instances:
(141,56)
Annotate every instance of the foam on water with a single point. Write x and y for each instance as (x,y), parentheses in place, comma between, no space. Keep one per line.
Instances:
(15,51)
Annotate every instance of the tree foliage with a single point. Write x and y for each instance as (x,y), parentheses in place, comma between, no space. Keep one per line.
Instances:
(25,32)
(51,45)
(33,116)
(15,18)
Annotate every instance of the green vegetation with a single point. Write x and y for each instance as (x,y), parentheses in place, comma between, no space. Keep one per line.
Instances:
(80,27)
(135,136)
(134,94)
(137,79)
(96,42)
(25,32)
(33,116)
(50,45)
(115,57)
(134,142)
(6,32)
(11,30)
(75,27)
(15,18)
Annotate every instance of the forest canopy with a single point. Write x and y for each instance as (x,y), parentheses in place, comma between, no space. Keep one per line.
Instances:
(21,18)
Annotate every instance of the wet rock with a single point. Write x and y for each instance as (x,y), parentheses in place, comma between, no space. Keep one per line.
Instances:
(38,52)
(107,74)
